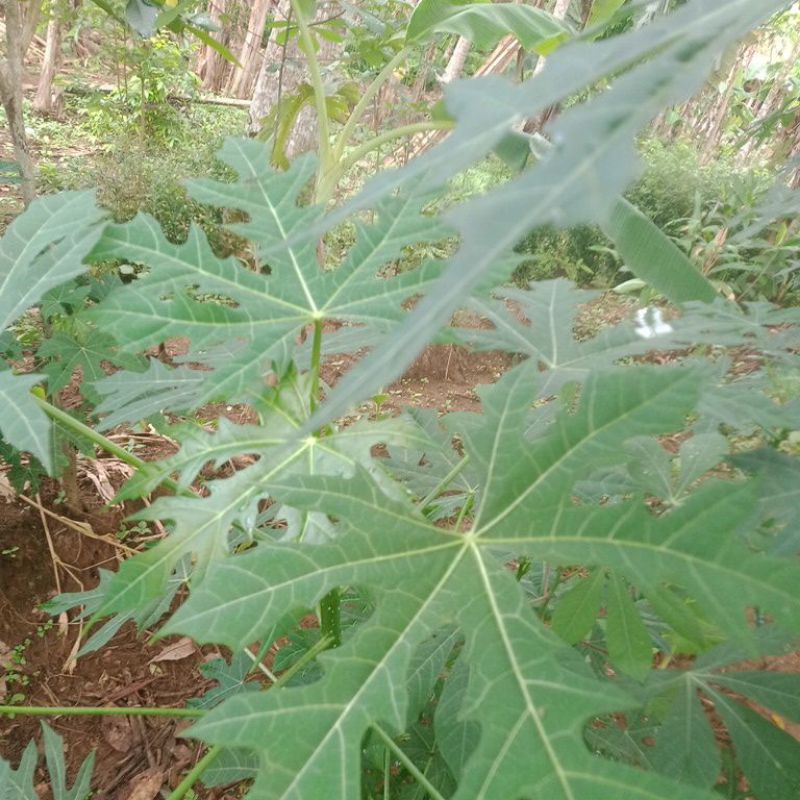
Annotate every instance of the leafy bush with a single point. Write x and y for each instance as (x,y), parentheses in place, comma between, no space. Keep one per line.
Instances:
(133,175)
(674,182)
(513,577)
(675,191)
(144,101)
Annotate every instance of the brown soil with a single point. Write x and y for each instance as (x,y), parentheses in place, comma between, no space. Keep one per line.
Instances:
(41,671)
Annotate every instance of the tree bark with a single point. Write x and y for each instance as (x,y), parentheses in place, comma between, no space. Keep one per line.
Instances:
(45,100)
(241,81)
(274,69)
(282,71)
(559,12)
(20,28)
(455,66)
(212,66)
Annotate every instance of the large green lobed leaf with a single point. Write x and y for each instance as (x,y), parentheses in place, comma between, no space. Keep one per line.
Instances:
(41,249)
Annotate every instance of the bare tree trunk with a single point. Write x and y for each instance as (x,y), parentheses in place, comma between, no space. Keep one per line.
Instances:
(718,115)
(559,12)
(20,28)
(242,79)
(208,56)
(272,73)
(45,101)
(455,66)
(282,72)
(536,124)
(212,66)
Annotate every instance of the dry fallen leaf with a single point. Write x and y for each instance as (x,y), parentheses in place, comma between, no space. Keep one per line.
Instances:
(118,733)
(7,492)
(145,786)
(176,651)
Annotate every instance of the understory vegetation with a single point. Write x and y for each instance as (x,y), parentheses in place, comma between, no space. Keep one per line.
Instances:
(580,585)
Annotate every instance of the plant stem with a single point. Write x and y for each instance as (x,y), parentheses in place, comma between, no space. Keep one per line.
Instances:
(444,482)
(362,106)
(196,772)
(330,617)
(388,136)
(387,776)
(326,159)
(316,365)
(211,755)
(105,711)
(412,768)
(76,426)
(329,608)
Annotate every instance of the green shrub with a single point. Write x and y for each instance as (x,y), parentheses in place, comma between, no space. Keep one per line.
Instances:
(133,176)
(674,189)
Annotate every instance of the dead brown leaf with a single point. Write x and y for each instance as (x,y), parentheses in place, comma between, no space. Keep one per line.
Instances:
(145,786)
(118,733)
(176,651)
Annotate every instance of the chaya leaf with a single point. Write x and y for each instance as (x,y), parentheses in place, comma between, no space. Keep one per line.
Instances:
(424,577)
(592,160)
(189,292)
(19,784)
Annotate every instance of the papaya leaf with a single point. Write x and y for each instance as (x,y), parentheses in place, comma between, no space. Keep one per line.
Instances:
(203,524)
(189,292)
(485,24)
(41,249)
(423,577)
(577,610)
(19,784)
(592,160)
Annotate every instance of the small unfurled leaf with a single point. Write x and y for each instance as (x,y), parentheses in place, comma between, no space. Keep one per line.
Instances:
(629,645)
(577,610)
